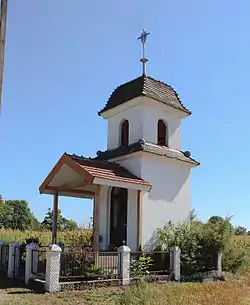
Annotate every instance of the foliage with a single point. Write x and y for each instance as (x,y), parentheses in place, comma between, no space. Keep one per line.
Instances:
(240,230)
(139,267)
(16,215)
(5,212)
(95,270)
(186,236)
(198,241)
(62,222)
(24,244)
(235,258)
(215,219)
(80,236)
(217,234)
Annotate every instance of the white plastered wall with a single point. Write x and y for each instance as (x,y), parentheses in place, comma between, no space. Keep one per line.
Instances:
(143,115)
(169,198)
(104,201)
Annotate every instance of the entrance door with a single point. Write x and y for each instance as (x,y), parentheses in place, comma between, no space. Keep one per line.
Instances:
(118,217)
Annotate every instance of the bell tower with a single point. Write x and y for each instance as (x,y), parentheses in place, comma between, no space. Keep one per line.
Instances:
(144,135)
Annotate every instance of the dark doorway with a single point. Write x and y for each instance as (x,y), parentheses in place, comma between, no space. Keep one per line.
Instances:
(118,217)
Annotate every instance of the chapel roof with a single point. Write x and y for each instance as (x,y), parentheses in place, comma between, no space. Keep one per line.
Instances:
(149,148)
(88,170)
(107,170)
(145,86)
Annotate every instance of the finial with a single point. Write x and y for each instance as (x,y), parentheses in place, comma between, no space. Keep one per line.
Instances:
(143,39)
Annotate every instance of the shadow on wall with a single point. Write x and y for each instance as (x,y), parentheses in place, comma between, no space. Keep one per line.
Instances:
(171,179)
(153,242)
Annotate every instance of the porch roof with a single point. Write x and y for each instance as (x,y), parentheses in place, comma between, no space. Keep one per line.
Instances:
(77,176)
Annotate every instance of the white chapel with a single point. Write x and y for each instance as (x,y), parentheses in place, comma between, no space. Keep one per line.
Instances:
(142,180)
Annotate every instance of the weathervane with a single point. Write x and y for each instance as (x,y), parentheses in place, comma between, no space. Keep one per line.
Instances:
(143,39)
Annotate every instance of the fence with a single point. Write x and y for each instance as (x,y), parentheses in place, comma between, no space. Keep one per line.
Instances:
(38,262)
(204,262)
(157,265)
(57,267)
(88,265)
(4,258)
(18,262)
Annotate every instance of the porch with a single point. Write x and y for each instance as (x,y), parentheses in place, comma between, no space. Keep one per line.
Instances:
(116,195)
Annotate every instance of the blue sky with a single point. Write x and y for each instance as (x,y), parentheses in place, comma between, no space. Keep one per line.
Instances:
(64,60)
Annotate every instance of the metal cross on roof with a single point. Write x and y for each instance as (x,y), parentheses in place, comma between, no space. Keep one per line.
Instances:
(143,39)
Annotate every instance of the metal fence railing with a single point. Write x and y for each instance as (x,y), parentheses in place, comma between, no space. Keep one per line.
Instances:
(157,265)
(88,265)
(201,263)
(38,262)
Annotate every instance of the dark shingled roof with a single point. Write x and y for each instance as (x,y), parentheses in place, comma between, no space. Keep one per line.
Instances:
(147,147)
(145,86)
(108,170)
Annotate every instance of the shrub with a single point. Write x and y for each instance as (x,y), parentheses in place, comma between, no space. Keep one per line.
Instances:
(186,236)
(236,257)
(139,267)
(200,243)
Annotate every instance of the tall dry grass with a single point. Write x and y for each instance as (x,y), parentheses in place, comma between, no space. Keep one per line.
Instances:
(234,292)
(79,236)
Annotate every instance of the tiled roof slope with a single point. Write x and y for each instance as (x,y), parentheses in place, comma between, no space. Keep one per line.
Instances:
(147,147)
(145,86)
(107,170)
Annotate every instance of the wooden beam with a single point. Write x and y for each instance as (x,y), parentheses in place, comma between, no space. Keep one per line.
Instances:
(139,219)
(3,21)
(96,220)
(55,216)
(79,192)
(71,185)
(67,160)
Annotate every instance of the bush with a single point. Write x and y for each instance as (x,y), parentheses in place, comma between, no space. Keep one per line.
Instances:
(200,243)
(186,237)
(140,267)
(236,257)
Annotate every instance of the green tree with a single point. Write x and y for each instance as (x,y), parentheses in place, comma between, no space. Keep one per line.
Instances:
(18,215)
(5,216)
(215,219)
(217,234)
(35,224)
(240,230)
(62,222)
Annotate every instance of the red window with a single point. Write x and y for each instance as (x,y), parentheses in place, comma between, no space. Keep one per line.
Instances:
(124,133)
(162,133)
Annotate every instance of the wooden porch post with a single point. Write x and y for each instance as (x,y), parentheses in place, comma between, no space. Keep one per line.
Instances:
(96,219)
(55,215)
(139,218)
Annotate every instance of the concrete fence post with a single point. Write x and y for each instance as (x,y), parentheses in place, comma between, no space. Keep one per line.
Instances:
(14,259)
(53,257)
(219,264)
(31,261)
(175,263)
(124,264)
(2,254)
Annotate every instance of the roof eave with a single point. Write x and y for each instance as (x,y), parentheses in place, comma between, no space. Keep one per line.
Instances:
(105,111)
